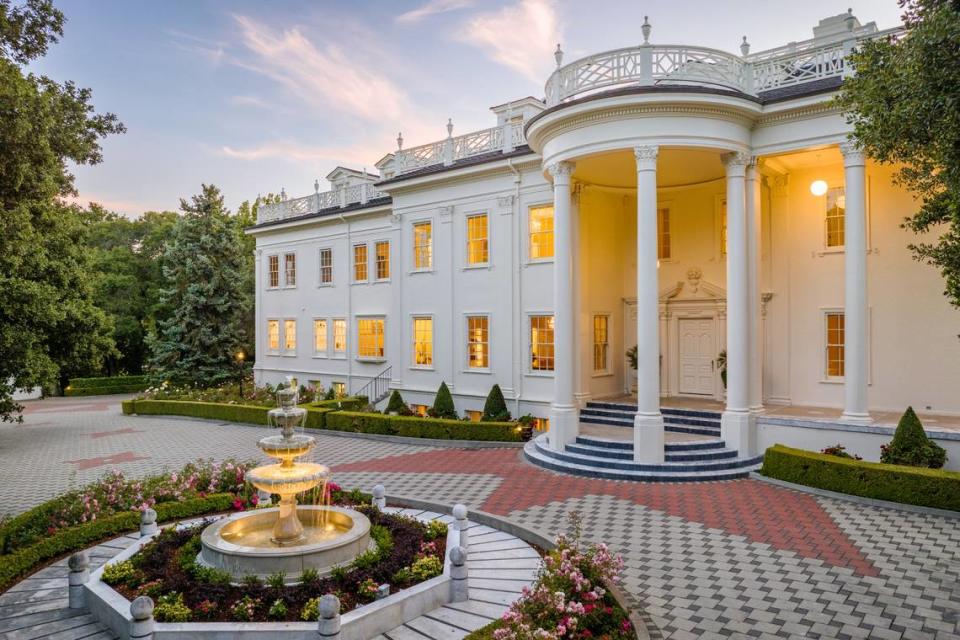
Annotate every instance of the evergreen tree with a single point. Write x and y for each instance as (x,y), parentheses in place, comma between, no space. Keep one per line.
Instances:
(397,405)
(495,408)
(204,288)
(911,446)
(443,404)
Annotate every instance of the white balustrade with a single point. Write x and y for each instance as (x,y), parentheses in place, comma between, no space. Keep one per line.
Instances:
(284,209)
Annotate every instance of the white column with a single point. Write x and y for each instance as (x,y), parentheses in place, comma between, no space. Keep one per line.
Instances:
(564,417)
(855,286)
(755,322)
(648,423)
(736,423)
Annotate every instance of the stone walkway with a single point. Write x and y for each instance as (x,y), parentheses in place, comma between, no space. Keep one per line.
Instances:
(741,559)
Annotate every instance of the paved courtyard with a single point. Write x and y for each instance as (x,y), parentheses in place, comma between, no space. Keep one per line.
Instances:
(740,559)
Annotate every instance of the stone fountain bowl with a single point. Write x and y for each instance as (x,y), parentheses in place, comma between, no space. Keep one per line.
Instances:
(288,479)
(287,447)
(241,544)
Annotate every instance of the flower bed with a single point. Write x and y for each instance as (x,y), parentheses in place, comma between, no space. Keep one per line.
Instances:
(407,552)
(105,386)
(909,485)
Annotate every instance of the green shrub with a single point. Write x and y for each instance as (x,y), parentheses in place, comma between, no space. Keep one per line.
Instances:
(310,577)
(911,446)
(245,609)
(347,403)
(415,427)
(435,529)
(105,386)
(397,405)
(316,414)
(443,404)
(277,581)
(311,610)
(426,567)
(909,485)
(171,608)
(118,572)
(495,408)
(278,610)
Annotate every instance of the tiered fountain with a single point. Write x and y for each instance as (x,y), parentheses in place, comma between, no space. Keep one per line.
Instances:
(288,538)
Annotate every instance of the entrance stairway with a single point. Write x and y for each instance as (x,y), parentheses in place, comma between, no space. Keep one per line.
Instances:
(696,421)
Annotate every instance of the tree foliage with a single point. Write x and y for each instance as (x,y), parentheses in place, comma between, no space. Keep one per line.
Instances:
(443,406)
(205,290)
(49,325)
(904,104)
(911,446)
(495,408)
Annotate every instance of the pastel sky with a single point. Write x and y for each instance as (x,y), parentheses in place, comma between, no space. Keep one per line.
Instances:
(254,96)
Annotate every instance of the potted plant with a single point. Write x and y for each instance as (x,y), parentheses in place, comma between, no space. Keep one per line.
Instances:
(722,366)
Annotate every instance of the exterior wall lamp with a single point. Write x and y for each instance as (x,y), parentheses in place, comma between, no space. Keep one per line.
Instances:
(818,187)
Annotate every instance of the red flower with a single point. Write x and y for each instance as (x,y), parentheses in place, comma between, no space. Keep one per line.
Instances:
(238,505)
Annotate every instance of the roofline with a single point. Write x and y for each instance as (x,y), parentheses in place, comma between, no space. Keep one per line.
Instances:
(465,163)
(385,203)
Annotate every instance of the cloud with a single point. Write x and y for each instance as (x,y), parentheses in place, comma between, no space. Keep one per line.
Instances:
(353,155)
(432,8)
(521,36)
(214,51)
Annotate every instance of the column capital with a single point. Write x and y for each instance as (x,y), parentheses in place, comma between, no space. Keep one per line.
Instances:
(646,156)
(560,171)
(737,160)
(853,155)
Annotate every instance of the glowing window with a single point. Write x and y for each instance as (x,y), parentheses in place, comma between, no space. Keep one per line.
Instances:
(339,389)
(273,271)
(273,335)
(420,409)
(340,336)
(360,263)
(541,232)
(835,344)
(478,248)
(474,415)
(541,343)
(478,342)
(723,227)
(601,342)
(290,269)
(423,342)
(541,424)
(289,336)
(326,266)
(383,260)
(663,234)
(834,220)
(370,337)
(423,245)
(320,337)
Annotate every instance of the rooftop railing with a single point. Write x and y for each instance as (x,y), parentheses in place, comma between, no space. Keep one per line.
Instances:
(320,200)
(504,138)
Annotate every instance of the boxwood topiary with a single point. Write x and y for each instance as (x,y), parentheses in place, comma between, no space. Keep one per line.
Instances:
(495,408)
(443,404)
(397,405)
(911,446)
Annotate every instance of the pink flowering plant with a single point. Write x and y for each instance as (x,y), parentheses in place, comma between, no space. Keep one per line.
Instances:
(570,598)
(227,393)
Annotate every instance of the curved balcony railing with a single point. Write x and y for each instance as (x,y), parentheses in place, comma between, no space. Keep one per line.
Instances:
(360,193)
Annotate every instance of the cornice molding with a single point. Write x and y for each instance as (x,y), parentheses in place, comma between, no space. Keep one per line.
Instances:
(801,113)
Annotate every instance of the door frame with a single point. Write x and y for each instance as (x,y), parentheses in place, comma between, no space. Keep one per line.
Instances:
(675,353)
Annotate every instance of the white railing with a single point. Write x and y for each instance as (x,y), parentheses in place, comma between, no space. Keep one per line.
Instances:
(504,138)
(674,64)
(345,196)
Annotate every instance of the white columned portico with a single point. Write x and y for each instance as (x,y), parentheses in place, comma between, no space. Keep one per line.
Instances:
(737,423)
(564,416)
(648,422)
(754,323)
(855,286)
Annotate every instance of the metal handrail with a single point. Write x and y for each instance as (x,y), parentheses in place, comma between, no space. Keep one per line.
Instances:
(378,387)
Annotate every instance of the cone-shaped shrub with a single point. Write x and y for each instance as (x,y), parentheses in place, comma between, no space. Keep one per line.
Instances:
(495,408)
(443,404)
(911,446)
(397,405)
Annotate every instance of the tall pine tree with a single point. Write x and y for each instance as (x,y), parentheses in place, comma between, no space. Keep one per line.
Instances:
(204,290)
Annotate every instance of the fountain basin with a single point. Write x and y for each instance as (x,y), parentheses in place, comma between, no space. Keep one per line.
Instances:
(242,544)
(288,477)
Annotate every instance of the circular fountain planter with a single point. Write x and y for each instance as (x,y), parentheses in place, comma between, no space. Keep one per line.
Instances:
(241,544)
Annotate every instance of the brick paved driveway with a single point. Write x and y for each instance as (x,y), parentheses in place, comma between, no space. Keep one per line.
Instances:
(733,559)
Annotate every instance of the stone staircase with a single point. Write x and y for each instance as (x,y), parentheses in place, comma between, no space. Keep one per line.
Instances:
(695,421)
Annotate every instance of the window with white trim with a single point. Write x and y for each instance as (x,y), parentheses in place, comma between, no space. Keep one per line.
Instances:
(423,245)
(835,344)
(320,336)
(273,272)
(339,337)
(360,263)
(339,389)
(423,341)
(289,269)
(382,252)
(478,244)
(326,266)
(478,342)
(273,336)
(540,231)
(370,337)
(833,220)
(290,336)
(541,343)
(601,343)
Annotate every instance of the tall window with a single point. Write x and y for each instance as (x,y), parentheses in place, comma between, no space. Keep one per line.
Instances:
(834,221)
(423,342)
(423,245)
(326,266)
(273,271)
(273,335)
(290,336)
(339,389)
(478,342)
(478,249)
(370,337)
(663,234)
(541,232)
(320,337)
(835,343)
(360,263)
(290,269)
(601,342)
(340,337)
(383,260)
(541,343)
(723,227)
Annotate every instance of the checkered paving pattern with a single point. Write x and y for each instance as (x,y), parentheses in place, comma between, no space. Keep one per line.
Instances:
(737,559)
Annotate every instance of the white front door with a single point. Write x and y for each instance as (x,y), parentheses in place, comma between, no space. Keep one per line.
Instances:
(697,345)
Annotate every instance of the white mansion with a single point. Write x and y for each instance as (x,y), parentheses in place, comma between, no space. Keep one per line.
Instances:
(701,205)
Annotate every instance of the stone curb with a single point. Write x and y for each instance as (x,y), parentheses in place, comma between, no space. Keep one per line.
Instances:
(867,502)
(641,623)
(423,442)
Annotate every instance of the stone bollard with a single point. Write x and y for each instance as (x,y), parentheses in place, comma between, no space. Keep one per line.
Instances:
(379,497)
(328,627)
(459,586)
(460,524)
(148,522)
(141,626)
(79,575)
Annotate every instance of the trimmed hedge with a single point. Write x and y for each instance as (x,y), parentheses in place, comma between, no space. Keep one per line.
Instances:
(909,485)
(23,561)
(414,427)
(217,411)
(105,386)
(350,403)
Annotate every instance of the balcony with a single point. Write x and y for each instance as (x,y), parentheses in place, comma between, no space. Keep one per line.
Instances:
(319,201)
(504,138)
